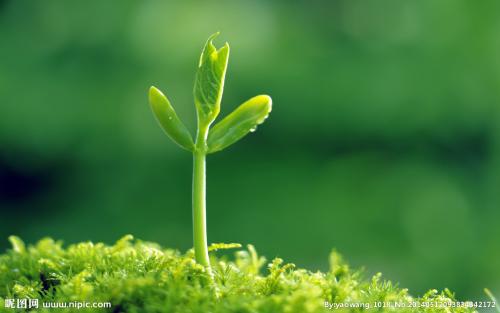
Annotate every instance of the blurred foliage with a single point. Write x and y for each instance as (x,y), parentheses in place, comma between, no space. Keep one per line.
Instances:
(384,139)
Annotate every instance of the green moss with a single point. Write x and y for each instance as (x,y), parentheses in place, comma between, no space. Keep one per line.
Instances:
(138,276)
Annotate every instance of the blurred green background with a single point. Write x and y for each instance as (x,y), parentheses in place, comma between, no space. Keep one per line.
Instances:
(384,140)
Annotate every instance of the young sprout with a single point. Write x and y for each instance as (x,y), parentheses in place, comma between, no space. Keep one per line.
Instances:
(208,88)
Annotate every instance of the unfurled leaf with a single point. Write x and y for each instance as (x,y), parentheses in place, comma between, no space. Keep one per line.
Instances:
(209,82)
(223,246)
(168,120)
(240,122)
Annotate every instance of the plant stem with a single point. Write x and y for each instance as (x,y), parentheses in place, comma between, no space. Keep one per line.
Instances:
(199,202)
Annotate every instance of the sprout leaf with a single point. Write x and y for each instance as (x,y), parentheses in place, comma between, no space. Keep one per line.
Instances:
(240,122)
(168,120)
(209,82)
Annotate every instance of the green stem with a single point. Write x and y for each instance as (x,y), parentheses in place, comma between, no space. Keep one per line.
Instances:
(199,195)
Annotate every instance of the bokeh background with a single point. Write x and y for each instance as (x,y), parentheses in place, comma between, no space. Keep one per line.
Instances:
(384,140)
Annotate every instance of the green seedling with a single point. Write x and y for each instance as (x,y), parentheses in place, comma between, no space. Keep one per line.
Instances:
(208,88)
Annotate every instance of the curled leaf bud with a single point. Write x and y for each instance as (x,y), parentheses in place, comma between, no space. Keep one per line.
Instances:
(209,82)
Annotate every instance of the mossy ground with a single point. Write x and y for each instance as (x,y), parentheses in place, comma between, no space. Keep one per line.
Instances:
(136,276)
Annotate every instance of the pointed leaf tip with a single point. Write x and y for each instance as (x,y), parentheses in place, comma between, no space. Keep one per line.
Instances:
(168,119)
(240,122)
(209,83)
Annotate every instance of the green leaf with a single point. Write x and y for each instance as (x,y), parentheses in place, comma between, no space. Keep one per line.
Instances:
(168,120)
(209,83)
(17,244)
(240,122)
(223,246)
